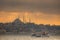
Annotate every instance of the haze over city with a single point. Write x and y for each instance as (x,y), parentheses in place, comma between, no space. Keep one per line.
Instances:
(38,11)
(29,19)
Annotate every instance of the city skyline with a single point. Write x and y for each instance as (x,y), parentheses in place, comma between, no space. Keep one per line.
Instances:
(33,18)
(38,11)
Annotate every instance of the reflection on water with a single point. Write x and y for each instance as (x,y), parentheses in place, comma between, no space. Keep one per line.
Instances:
(28,37)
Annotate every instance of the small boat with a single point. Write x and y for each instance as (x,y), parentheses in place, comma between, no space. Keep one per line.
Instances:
(45,34)
(36,34)
(33,34)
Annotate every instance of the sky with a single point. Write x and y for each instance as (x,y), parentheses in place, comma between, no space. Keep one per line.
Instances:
(37,11)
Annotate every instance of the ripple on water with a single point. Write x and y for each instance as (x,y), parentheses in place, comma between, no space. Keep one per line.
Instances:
(24,37)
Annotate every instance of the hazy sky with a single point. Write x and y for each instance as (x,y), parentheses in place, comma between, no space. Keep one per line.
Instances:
(38,11)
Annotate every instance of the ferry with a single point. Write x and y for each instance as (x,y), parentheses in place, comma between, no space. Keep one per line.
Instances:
(40,34)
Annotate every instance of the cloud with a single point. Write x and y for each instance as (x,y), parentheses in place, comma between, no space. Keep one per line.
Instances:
(44,6)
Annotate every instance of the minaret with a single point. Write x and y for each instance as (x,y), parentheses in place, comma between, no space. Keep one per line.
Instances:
(29,20)
(23,18)
(18,16)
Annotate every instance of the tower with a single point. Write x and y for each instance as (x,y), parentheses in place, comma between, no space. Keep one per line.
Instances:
(29,20)
(24,18)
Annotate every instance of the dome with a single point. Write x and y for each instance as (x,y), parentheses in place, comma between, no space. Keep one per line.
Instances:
(17,21)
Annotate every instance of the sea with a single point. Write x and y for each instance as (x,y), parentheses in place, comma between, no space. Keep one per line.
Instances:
(27,37)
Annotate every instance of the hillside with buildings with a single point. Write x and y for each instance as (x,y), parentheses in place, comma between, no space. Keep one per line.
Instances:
(17,26)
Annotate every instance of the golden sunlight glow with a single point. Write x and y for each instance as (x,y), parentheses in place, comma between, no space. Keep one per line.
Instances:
(34,17)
